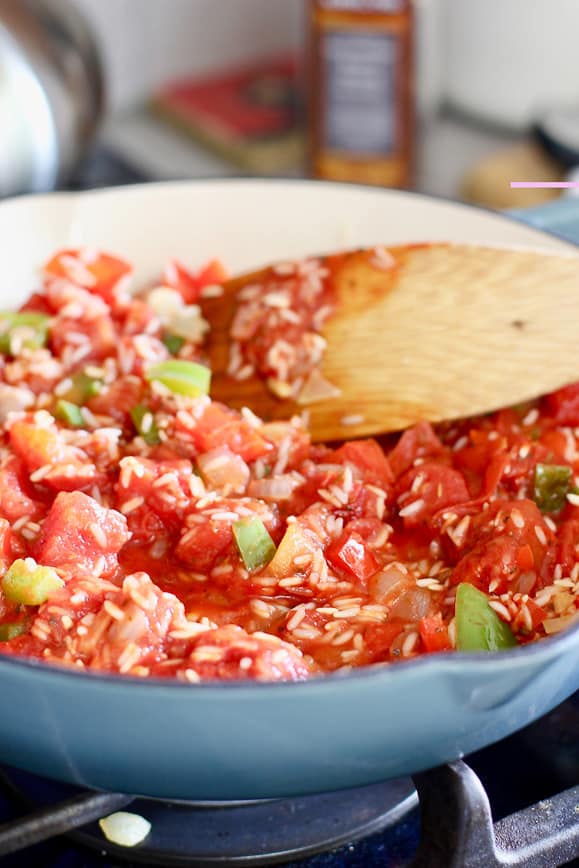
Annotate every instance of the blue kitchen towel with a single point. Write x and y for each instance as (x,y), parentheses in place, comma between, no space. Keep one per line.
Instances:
(560,217)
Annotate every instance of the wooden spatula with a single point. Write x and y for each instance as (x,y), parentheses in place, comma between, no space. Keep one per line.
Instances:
(437,332)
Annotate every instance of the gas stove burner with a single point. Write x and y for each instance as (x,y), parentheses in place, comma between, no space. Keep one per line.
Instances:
(250,833)
(457,829)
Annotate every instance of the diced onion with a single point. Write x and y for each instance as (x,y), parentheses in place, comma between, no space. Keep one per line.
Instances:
(555,625)
(221,467)
(561,601)
(181,377)
(525,583)
(166,302)
(317,388)
(14,400)
(189,324)
(412,605)
(385,582)
(125,829)
(279,488)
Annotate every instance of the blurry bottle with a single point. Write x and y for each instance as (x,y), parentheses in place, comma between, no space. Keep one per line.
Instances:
(361,95)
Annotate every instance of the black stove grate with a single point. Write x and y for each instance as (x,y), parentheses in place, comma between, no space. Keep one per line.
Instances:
(457,829)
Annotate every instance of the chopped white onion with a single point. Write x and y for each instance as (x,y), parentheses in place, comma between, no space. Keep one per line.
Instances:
(189,324)
(525,583)
(388,580)
(125,829)
(317,388)
(279,488)
(166,302)
(14,400)
(555,625)
(220,467)
(412,605)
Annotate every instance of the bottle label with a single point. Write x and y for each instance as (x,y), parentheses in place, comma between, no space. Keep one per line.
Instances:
(363,5)
(359,71)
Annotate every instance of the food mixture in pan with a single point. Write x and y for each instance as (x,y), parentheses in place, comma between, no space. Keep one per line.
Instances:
(149,531)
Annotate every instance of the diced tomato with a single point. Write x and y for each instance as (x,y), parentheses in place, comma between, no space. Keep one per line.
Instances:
(180,278)
(365,527)
(36,304)
(568,540)
(168,501)
(203,539)
(5,543)
(138,318)
(554,443)
(563,405)
(100,274)
(351,554)
(482,461)
(499,547)
(525,558)
(438,488)
(434,634)
(214,272)
(220,426)
(101,334)
(78,532)
(16,495)
(378,639)
(505,421)
(369,458)
(38,447)
(537,613)
(189,285)
(492,562)
(265,658)
(202,543)
(118,399)
(419,441)
(145,628)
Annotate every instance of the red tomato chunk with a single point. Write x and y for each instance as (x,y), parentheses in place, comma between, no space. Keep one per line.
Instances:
(81,535)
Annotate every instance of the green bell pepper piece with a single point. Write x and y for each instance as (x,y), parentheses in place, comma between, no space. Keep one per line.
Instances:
(29,584)
(69,413)
(36,325)
(255,545)
(550,486)
(478,627)
(181,377)
(151,435)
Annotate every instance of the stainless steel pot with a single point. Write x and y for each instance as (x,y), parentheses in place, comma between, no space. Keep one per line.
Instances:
(51,93)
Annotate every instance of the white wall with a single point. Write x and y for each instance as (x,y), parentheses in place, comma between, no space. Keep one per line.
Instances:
(147,42)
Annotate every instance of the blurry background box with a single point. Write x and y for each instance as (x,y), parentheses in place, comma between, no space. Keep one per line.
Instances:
(251,114)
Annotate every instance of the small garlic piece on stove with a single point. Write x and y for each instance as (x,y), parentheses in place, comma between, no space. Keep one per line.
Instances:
(125,829)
